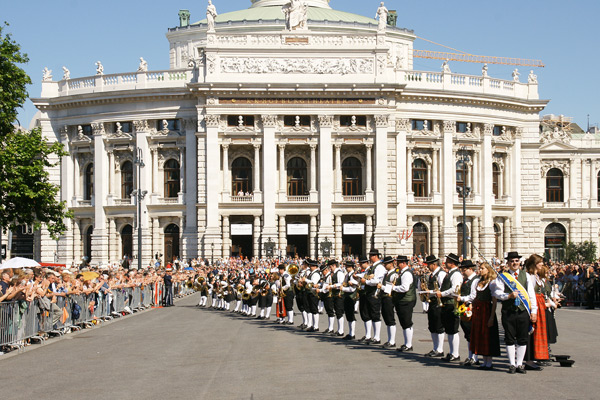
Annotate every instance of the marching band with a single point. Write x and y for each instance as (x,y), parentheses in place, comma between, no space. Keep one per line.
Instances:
(457,294)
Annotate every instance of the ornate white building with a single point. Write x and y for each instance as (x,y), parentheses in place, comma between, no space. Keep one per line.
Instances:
(320,133)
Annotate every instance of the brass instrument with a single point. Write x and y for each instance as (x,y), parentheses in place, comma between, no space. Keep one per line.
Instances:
(456,299)
(436,287)
(246,296)
(240,290)
(189,284)
(424,288)
(293,269)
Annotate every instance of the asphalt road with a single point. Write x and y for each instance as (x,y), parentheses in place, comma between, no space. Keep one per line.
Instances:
(184,352)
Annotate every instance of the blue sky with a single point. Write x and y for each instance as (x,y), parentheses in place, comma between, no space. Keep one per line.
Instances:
(564,35)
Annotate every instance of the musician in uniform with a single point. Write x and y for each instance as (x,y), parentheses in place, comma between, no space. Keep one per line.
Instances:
(468,291)
(349,288)
(312,282)
(288,294)
(404,296)
(373,277)
(434,312)
(450,288)
(300,293)
(387,304)
(337,279)
(516,317)
(325,294)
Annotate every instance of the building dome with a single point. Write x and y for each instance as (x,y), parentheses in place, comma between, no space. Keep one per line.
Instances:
(311,3)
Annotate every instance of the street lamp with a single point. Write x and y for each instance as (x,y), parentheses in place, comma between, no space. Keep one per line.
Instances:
(139,195)
(212,254)
(464,192)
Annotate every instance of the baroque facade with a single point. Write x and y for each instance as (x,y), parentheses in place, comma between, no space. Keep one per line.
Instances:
(323,133)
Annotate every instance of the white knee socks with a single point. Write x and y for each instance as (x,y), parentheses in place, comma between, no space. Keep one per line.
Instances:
(341,326)
(368,325)
(377,326)
(521,350)
(510,351)
(408,335)
(392,334)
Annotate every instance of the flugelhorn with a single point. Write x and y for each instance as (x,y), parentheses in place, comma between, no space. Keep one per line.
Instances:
(436,288)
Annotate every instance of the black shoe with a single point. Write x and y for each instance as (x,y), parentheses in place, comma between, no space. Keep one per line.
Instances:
(469,362)
(339,334)
(375,342)
(364,339)
(302,326)
(348,337)
(315,329)
(327,331)
(532,368)
(388,345)
(288,323)
(512,369)
(404,348)
(311,329)
(521,370)
(544,363)
(431,353)
(452,358)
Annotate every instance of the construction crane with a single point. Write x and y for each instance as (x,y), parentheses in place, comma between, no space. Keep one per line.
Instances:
(466,57)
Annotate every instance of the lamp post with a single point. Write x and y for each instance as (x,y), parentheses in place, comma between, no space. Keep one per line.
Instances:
(464,192)
(139,196)
(212,253)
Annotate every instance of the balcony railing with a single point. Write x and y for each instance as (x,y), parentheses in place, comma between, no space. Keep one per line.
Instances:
(123,202)
(168,200)
(423,199)
(354,199)
(242,199)
(84,203)
(555,204)
(298,199)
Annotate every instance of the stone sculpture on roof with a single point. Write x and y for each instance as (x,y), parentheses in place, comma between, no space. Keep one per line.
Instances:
(296,15)
(382,15)
(211,14)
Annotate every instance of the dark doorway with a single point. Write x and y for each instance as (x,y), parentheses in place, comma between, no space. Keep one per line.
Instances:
(420,239)
(242,246)
(297,245)
(352,245)
(171,243)
(127,241)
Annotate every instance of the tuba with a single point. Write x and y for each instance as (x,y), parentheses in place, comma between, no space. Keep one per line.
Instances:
(293,269)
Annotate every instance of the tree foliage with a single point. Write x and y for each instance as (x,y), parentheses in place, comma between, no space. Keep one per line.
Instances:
(27,196)
(13,81)
(580,252)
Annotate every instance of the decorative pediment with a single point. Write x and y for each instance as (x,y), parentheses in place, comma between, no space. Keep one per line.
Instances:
(557,146)
(547,165)
(555,135)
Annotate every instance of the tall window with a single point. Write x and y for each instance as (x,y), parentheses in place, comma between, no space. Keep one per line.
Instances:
(241,176)
(351,177)
(598,186)
(127,241)
(462,171)
(496,180)
(420,239)
(419,178)
(88,182)
(172,183)
(87,242)
(296,177)
(555,186)
(126,179)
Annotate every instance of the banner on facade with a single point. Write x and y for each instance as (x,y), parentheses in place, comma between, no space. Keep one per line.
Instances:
(241,229)
(354,229)
(297,229)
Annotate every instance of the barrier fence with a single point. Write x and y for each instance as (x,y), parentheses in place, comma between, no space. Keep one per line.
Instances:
(22,321)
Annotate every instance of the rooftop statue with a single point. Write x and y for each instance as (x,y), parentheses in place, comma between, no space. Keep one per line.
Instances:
(295,15)
(382,15)
(484,70)
(515,75)
(143,65)
(99,68)
(46,74)
(446,67)
(211,14)
(532,78)
(66,74)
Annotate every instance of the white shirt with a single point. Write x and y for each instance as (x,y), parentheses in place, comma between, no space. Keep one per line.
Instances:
(287,281)
(349,280)
(473,291)
(379,273)
(406,280)
(500,294)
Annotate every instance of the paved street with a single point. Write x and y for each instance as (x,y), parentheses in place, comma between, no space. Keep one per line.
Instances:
(188,353)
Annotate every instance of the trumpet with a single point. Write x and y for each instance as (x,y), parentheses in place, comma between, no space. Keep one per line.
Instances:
(424,296)
(456,302)
(436,288)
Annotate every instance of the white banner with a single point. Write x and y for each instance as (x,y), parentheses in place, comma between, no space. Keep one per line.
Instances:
(241,229)
(297,229)
(354,229)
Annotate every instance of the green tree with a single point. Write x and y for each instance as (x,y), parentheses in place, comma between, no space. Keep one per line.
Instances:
(587,251)
(27,196)
(570,252)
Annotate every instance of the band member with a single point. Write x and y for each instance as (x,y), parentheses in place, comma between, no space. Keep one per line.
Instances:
(349,288)
(450,288)
(325,294)
(434,312)
(404,296)
(373,277)
(362,297)
(484,324)
(468,291)
(515,290)
(384,289)
(312,283)
(337,279)
(288,294)
(203,293)
(238,295)
(300,293)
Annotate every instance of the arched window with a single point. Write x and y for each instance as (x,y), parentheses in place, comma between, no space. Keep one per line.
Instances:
(462,177)
(241,176)
(87,242)
(296,177)
(351,177)
(172,182)
(459,233)
(496,180)
(88,182)
(555,186)
(555,237)
(420,239)
(127,241)
(126,179)
(171,242)
(419,178)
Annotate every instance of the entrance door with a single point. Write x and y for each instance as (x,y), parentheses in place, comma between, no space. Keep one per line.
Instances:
(242,246)
(352,245)
(420,239)
(171,243)
(297,245)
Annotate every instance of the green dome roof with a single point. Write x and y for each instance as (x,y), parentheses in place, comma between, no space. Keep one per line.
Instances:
(274,12)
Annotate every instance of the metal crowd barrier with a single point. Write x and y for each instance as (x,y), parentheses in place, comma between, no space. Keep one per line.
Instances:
(21,320)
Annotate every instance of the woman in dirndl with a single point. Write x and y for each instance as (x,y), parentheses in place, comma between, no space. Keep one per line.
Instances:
(485,340)
(538,348)
(551,304)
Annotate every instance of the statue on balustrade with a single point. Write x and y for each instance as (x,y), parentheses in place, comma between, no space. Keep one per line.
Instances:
(211,14)
(382,15)
(143,65)
(296,15)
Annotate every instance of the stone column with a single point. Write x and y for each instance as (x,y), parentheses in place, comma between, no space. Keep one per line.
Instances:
(156,243)
(325,177)
(448,187)
(487,194)
(282,172)
(76,240)
(282,235)
(154,163)
(256,169)
(508,246)
(381,179)
(516,191)
(402,175)
(190,232)
(226,184)
(182,183)
(100,234)
(368,150)
(435,236)
(111,175)
(313,236)
(409,162)
(113,241)
(435,180)
(226,237)
(338,172)
(369,233)
(475,175)
(506,175)
(475,229)
(571,176)
(256,237)
(593,185)
(338,237)
(313,168)
(269,178)
(213,232)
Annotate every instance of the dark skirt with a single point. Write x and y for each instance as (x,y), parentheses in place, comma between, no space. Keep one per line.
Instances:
(485,341)
(551,328)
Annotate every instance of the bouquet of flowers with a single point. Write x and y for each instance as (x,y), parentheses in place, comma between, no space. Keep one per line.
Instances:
(464,311)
